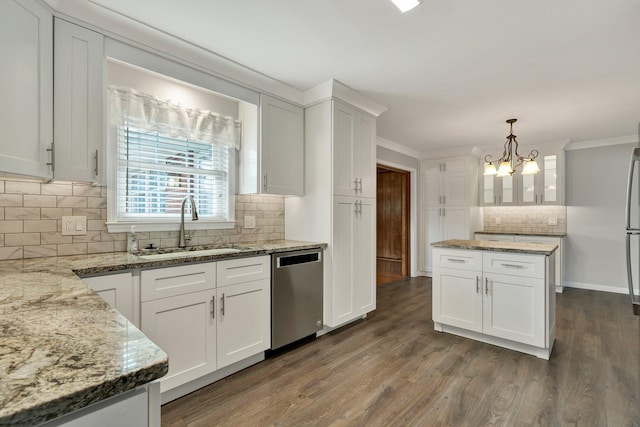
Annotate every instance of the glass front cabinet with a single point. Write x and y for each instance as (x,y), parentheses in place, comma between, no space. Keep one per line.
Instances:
(543,188)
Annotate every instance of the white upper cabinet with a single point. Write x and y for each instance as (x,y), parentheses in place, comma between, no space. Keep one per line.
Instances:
(497,191)
(449,181)
(272,155)
(26,85)
(545,187)
(78,104)
(282,147)
(354,157)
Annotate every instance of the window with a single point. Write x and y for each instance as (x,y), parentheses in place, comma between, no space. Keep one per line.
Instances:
(156,172)
(164,152)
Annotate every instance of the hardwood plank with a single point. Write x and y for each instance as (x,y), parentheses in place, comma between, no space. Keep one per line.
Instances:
(394,369)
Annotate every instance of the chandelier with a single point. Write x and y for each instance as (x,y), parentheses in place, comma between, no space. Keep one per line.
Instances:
(511,159)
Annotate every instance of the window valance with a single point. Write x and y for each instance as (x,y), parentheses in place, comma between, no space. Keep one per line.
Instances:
(147,112)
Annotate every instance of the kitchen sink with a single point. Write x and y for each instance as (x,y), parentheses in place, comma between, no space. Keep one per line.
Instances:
(182,253)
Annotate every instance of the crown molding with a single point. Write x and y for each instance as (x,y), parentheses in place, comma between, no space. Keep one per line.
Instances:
(451,152)
(335,89)
(394,146)
(619,140)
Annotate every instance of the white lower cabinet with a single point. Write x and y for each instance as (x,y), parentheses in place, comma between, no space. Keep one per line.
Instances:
(502,298)
(119,292)
(184,327)
(352,290)
(554,240)
(244,321)
(207,316)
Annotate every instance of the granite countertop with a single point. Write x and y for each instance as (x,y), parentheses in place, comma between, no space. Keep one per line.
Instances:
(62,347)
(490,245)
(525,233)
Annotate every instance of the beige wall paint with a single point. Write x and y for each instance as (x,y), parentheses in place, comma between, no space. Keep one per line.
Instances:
(31,221)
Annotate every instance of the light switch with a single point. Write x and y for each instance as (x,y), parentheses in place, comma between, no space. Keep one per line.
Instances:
(552,220)
(74,225)
(498,220)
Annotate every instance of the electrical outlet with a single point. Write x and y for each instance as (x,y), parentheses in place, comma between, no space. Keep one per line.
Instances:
(74,225)
(552,220)
(249,221)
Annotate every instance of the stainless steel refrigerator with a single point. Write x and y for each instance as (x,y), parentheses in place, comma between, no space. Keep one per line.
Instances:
(632,220)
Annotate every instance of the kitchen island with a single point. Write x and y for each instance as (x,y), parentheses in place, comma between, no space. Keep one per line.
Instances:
(501,293)
(63,348)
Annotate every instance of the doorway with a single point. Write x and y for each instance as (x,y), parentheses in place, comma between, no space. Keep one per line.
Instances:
(393,223)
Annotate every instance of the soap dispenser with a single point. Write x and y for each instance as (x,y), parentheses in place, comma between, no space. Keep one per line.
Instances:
(132,241)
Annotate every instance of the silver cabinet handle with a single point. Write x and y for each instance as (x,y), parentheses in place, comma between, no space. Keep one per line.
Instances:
(444,212)
(355,185)
(264,182)
(486,286)
(459,261)
(96,170)
(222,305)
(360,185)
(355,207)
(477,284)
(213,307)
(519,267)
(53,157)
(360,209)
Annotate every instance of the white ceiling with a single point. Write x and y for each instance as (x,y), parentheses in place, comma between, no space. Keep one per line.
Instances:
(450,71)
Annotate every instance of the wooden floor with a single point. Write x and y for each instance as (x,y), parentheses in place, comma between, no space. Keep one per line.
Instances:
(383,277)
(393,369)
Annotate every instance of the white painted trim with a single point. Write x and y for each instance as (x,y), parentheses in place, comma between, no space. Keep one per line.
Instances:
(629,139)
(413,232)
(150,225)
(334,89)
(125,29)
(394,146)
(595,287)
(451,152)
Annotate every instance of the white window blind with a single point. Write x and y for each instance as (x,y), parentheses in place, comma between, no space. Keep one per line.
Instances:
(155,172)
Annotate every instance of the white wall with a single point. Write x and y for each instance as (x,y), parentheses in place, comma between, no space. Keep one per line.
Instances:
(596,180)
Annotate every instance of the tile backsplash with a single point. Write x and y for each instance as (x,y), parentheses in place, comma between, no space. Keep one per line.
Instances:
(31,221)
(534,219)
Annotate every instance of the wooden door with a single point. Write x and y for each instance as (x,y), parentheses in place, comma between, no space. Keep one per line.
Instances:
(393,223)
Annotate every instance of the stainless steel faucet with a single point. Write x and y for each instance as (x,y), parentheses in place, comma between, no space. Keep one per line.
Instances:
(194,217)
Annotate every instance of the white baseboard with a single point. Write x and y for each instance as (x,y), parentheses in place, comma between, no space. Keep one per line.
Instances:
(594,287)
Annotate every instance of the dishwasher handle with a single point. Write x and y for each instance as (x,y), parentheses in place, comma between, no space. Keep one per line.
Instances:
(283,261)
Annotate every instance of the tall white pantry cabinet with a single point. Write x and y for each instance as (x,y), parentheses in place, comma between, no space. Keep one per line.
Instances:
(339,205)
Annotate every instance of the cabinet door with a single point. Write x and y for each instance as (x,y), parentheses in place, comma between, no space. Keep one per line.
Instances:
(457,298)
(342,302)
(364,255)
(497,190)
(117,291)
(431,186)
(26,85)
(364,155)
(456,188)
(244,321)
(455,223)
(545,187)
(432,219)
(282,147)
(344,129)
(178,280)
(78,103)
(183,327)
(514,308)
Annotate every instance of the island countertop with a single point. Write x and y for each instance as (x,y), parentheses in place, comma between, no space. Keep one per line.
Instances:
(490,245)
(62,347)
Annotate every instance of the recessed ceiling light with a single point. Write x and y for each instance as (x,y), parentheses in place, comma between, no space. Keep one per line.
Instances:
(406,5)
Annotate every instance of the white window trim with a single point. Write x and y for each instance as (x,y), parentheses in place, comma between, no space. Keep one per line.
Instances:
(114,226)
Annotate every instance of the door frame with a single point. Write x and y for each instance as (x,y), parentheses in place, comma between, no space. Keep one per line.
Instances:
(413,211)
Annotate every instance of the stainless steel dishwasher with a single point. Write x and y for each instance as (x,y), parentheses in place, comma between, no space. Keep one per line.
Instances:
(296,295)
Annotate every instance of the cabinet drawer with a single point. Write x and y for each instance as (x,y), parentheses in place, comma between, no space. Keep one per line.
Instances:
(171,281)
(514,264)
(460,259)
(495,237)
(539,239)
(243,270)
